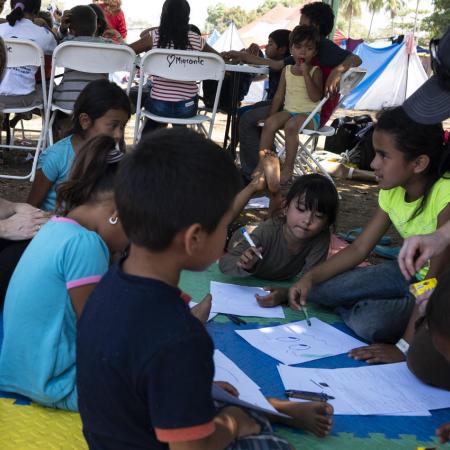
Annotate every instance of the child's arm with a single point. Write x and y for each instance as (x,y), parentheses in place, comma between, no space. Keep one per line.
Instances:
(39,189)
(230,424)
(346,259)
(79,296)
(313,82)
(144,44)
(278,98)
(248,58)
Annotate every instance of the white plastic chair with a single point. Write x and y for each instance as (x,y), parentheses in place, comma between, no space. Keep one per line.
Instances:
(305,160)
(22,52)
(90,57)
(179,65)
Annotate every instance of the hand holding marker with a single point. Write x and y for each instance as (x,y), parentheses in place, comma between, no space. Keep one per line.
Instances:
(250,242)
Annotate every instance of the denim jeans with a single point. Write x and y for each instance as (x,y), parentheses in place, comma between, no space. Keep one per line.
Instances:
(373,301)
(179,110)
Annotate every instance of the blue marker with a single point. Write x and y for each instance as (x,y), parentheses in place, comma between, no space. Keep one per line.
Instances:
(250,242)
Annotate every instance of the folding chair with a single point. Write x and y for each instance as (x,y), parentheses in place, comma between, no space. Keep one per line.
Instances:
(21,53)
(90,57)
(305,161)
(179,65)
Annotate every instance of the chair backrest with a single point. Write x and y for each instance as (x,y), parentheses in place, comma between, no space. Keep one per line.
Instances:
(350,80)
(22,52)
(183,65)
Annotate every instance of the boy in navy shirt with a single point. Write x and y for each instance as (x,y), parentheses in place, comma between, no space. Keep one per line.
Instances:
(144,362)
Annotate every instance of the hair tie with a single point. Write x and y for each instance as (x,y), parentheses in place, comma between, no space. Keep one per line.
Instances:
(446,136)
(19,5)
(114,155)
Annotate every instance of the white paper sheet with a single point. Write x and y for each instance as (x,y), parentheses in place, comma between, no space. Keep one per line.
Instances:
(241,301)
(388,389)
(258,203)
(249,391)
(211,314)
(297,342)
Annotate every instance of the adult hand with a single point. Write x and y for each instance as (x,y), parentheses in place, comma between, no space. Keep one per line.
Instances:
(443,432)
(227,387)
(249,258)
(377,353)
(276,296)
(298,293)
(417,250)
(21,225)
(333,81)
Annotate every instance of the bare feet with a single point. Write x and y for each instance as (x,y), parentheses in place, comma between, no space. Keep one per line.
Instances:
(202,309)
(271,166)
(336,169)
(315,417)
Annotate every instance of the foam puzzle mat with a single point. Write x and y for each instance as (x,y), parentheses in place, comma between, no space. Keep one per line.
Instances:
(27,426)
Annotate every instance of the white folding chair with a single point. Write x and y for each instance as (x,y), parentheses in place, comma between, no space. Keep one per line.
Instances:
(21,53)
(179,65)
(90,57)
(305,161)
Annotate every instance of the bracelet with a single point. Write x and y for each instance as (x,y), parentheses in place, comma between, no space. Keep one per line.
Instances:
(403,346)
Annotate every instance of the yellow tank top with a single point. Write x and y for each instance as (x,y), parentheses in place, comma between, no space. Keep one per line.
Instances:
(296,98)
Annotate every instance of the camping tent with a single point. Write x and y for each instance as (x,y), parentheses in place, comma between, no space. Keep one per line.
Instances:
(279,17)
(393,74)
(230,40)
(213,37)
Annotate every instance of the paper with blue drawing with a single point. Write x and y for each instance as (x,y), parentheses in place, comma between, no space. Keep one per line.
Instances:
(240,301)
(387,389)
(296,342)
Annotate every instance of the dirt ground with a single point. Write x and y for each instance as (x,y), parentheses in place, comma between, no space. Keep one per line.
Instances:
(358,199)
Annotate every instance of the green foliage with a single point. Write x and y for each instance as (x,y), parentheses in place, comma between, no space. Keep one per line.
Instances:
(439,21)
(270,4)
(220,16)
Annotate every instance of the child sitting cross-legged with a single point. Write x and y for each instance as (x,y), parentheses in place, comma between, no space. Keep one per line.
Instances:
(144,362)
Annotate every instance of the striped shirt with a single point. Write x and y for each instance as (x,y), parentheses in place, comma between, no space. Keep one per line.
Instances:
(175,91)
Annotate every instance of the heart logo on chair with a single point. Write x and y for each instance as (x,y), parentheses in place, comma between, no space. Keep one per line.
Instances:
(170,59)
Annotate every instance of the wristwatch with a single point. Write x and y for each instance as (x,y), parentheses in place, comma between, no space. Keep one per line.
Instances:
(403,346)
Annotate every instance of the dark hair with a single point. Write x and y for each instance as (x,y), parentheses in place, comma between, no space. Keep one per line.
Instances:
(96,99)
(317,193)
(414,139)
(102,24)
(195,29)
(17,13)
(320,15)
(174,25)
(437,314)
(304,33)
(3,58)
(46,15)
(281,39)
(173,179)
(83,20)
(93,173)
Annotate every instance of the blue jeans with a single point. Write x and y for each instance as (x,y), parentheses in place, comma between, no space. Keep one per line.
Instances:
(373,301)
(179,110)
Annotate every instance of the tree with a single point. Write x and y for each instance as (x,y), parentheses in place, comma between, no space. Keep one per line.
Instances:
(374,6)
(270,4)
(438,22)
(393,7)
(219,17)
(349,9)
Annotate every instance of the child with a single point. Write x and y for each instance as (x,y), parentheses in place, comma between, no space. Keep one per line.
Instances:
(290,244)
(144,364)
(410,163)
(18,85)
(177,99)
(114,15)
(431,345)
(101,108)
(54,277)
(103,28)
(298,92)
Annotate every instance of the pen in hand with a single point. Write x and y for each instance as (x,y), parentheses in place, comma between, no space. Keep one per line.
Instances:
(250,242)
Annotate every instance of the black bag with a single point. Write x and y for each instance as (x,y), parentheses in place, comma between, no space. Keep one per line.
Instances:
(364,149)
(347,129)
(226,93)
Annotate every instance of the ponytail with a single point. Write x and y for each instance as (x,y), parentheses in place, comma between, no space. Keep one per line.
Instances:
(20,7)
(92,174)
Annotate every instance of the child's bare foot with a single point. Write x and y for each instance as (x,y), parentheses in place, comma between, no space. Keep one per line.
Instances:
(315,417)
(258,179)
(271,165)
(202,310)
(336,169)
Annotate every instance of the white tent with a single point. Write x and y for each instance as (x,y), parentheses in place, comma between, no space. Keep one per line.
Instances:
(230,40)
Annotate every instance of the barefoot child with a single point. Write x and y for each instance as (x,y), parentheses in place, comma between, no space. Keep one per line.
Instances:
(411,163)
(294,242)
(54,277)
(144,363)
(299,91)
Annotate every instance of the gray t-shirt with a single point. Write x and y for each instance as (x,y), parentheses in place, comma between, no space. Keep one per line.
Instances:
(278,262)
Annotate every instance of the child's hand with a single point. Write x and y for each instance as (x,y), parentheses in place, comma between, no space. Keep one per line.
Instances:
(258,182)
(246,425)
(298,293)
(277,296)
(249,258)
(227,387)
(443,432)
(202,310)
(305,67)
(377,353)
